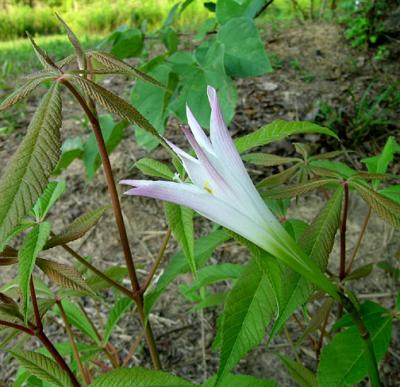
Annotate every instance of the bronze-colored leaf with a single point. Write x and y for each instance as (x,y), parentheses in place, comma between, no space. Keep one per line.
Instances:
(9,307)
(278,178)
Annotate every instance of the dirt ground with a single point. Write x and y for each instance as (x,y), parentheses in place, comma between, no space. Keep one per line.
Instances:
(322,51)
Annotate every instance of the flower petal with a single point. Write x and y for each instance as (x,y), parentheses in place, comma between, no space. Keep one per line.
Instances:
(198,132)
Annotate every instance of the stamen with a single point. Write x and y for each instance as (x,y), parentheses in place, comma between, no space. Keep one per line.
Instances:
(207,187)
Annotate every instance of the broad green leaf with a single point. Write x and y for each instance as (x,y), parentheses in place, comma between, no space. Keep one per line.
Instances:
(25,90)
(117,273)
(126,42)
(79,227)
(343,359)
(268,160)
(50,195)
(63,275)
(78,319)
(249,308)
(231,380)
(278,130)
(207,26)
(278,178)
(115,314)
(42,367)
(152,101)
(296,228)
(31,246)
(210,300)
(228,9)
(386,208)
(297,190)
(112,135)
(300,374)
(392,192)
(26,175)
(252,61)
(317,242)
(180,219)
(155,168)
(138,377)
(206,67)
(71,149)
(113,103)
(203,249)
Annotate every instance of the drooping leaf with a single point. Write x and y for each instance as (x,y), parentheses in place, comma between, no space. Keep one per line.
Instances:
(154,168)
(231,380)
(268,160)
(361,272)
(386,208)
(115,314)
(41,54)
(50,195)
(9,307)
(63,275)
(25,90)
(79,227)
(278,178)
(42,367)
(180,219)
(343,359)
(203,248)
(139,377)
(242,32)
(113,103)
(31,247)
(278,130)
(317,243)
(297,190)
(300,374)
(249,307)
(26,175)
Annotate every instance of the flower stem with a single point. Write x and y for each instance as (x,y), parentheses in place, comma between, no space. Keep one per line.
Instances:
(119,220)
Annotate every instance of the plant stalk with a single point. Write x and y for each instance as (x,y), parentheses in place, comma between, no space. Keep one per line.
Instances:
(119,220)
(18,327)
(343,228)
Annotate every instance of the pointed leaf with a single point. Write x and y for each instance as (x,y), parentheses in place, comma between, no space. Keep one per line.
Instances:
(26,175)
(154,168)
(42,367)
(9,307)
(300,374)
(278,130)
(139,377)
(44,59)
(278,178)
(63,275)
(114,104)
(117,273)
(231,380)
(115,314)
(248,309)
(386,208)
(51,194)
(180,219)
(361,272)
(31,247)
(78,228)
(268,160)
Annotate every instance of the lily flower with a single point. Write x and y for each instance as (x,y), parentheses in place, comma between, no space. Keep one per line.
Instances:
(222,191)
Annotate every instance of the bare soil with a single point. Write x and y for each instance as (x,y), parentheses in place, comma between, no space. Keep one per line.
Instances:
(322,52)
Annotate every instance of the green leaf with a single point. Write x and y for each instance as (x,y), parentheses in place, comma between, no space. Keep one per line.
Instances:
(203,248)
(278,130)
(207,26)
(343,359)
(152,101)
(42,367)
(231,380)
(117,273)
(139,377)
(63,275)
(71,149)
(278,178)
(25,90)
(297,190)
(180,219)
(155,168)
(113,103)
(339,169)
(79,227)
(244,51)
(361,272)
(26,175)
(317,243)
(392,193)
(296,228)
(112,135)
(228,9)
(31,246)
(248,309)
(50,195)
(386,208)
(206,67)
(268,160)
(78,319)
(115,314)
(126,42)
(300,374)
